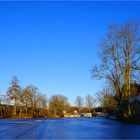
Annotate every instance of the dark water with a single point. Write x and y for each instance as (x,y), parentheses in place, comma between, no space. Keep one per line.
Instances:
(93,128)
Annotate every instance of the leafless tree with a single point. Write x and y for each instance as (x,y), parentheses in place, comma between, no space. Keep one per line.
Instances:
(57,104)
(41,101)
(89,102)
(106,99)
(120,58)
(27,99)
(79,102)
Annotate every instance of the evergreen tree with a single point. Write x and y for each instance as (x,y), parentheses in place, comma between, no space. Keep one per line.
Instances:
(13,93)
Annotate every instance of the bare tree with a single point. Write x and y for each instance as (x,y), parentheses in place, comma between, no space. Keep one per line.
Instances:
(79,102)
(27,99)
(120,57)
(106,99)
(35,103)
(41,101)
(57,104)
(89,102)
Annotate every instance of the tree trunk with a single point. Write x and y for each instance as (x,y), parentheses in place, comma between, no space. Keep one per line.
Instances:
(15,109)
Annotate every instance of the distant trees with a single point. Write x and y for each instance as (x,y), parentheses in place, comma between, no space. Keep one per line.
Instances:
(28,102)
(85,104)
(120,58)
(106,98)
(25,102)
(89,102)
(14,93)
(29,99)
(34,103)
(57,104)
(42,101)
(79,102)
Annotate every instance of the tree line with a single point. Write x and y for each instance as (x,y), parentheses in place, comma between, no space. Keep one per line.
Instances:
(28,102)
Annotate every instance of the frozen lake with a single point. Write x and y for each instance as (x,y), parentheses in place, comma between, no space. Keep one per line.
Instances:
(93,128)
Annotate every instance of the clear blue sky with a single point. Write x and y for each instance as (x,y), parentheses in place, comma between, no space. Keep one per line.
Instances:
(54,45)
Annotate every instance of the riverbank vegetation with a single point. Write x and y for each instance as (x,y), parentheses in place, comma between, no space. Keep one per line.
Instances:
(120,66)
(28,102)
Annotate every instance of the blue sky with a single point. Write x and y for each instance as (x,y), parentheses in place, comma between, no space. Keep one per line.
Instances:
(54,45)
